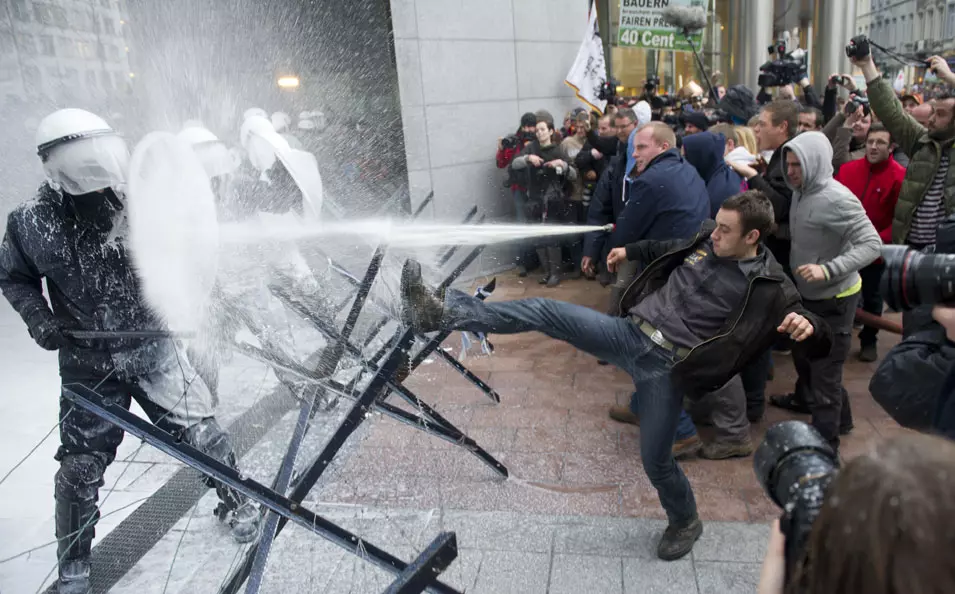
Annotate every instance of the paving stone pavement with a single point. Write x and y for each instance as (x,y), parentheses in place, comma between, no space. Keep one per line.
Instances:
(578,514)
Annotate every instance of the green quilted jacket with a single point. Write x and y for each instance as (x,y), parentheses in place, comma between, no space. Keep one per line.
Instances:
(925,154)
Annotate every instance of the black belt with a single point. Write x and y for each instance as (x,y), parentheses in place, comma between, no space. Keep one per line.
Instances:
(657,338)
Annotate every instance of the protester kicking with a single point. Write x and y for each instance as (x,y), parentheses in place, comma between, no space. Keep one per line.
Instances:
(700,310)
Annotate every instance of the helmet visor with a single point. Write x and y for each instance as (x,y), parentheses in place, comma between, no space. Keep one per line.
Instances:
(216,158)
(89,164)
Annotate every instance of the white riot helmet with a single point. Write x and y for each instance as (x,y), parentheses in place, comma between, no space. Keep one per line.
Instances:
(281,121)
(255,111)
(216,158)
(80,152)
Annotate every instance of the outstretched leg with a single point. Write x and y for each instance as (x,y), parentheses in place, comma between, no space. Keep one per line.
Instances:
(612,339)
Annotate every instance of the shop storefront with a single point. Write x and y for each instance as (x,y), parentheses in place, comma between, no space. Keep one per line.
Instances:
(640,45)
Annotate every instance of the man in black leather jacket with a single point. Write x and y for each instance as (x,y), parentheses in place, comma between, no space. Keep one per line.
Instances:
(698,313)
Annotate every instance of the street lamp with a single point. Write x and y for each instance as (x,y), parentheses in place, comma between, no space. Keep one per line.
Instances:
(288,82)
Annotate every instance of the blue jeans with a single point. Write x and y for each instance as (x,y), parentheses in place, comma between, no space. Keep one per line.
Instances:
(617,341)
(685,428)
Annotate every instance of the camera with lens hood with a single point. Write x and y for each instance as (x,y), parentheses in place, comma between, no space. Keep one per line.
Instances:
(858,99)
(795,466)
(858,48)
(914,278)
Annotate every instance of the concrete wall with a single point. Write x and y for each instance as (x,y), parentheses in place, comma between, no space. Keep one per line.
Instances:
(467,71)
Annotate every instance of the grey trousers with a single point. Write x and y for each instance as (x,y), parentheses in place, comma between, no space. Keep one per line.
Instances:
(726,409)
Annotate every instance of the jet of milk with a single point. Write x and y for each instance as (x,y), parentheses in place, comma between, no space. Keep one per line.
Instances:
(393,233)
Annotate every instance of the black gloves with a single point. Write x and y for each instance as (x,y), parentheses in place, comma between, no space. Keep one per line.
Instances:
(50,335)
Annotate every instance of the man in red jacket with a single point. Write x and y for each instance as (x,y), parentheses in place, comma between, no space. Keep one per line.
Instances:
(876,179)
(507,149)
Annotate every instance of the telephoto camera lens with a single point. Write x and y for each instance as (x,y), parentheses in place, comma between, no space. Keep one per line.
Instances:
(795,465)
(913,278)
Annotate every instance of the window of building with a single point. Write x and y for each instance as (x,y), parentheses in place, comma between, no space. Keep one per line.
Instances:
(67,48)
(42,14)
(84,49)
(109,27)
(59,17)
(53,72)
(26,44)
(119,78)
(31,80)
(950,25)
(106,80)
(112,51)
(71,76)
(100,51)
(6,43)
(91,80)
(20,11)
(47,46)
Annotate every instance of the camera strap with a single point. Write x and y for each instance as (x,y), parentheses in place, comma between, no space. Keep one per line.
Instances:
(907,60)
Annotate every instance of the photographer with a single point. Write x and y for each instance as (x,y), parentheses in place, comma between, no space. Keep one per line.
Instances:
(945,410)
(549,185)
(848,129)
(590,161)
(887,526)
(928,191)
(508,148)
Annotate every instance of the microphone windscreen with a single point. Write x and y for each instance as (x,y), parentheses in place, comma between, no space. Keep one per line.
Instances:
(685,17)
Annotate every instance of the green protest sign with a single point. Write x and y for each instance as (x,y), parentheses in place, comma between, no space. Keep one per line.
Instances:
(642,25)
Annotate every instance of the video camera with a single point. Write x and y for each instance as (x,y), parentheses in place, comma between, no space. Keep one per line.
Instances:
(512,142)
(657,102)
(608,91)
(795,466)
(789,66)
(914,278)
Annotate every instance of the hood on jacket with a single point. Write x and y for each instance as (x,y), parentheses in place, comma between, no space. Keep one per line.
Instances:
(644,113)
(704,151)
(631,160)
(740,155)
(815,154)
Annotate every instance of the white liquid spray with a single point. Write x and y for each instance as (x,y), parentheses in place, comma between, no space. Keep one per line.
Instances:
(393,233)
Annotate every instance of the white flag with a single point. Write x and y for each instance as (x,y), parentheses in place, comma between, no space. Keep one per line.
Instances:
(899,83)
(589,71)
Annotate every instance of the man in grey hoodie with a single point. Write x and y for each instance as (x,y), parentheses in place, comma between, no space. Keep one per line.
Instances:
(832,239)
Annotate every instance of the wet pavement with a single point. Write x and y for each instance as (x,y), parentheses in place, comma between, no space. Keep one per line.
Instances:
(576,515)
(552,431)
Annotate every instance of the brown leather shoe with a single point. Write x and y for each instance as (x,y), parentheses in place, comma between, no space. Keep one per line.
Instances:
(622,414)
(726,449)
(684,448)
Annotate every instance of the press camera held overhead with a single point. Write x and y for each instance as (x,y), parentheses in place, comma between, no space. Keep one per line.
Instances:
(789,67)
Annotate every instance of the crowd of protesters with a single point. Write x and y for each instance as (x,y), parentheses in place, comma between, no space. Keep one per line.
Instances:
(845,174)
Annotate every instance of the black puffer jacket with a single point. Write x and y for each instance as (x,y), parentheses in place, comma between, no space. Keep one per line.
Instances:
(749,331)
(910,379)
(78,246)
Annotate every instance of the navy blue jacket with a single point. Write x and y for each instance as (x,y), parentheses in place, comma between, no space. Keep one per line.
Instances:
(704,151)
(606,205)
(667,201)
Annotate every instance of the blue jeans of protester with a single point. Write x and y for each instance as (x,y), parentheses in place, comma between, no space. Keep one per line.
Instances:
(618,341)
(685,428)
